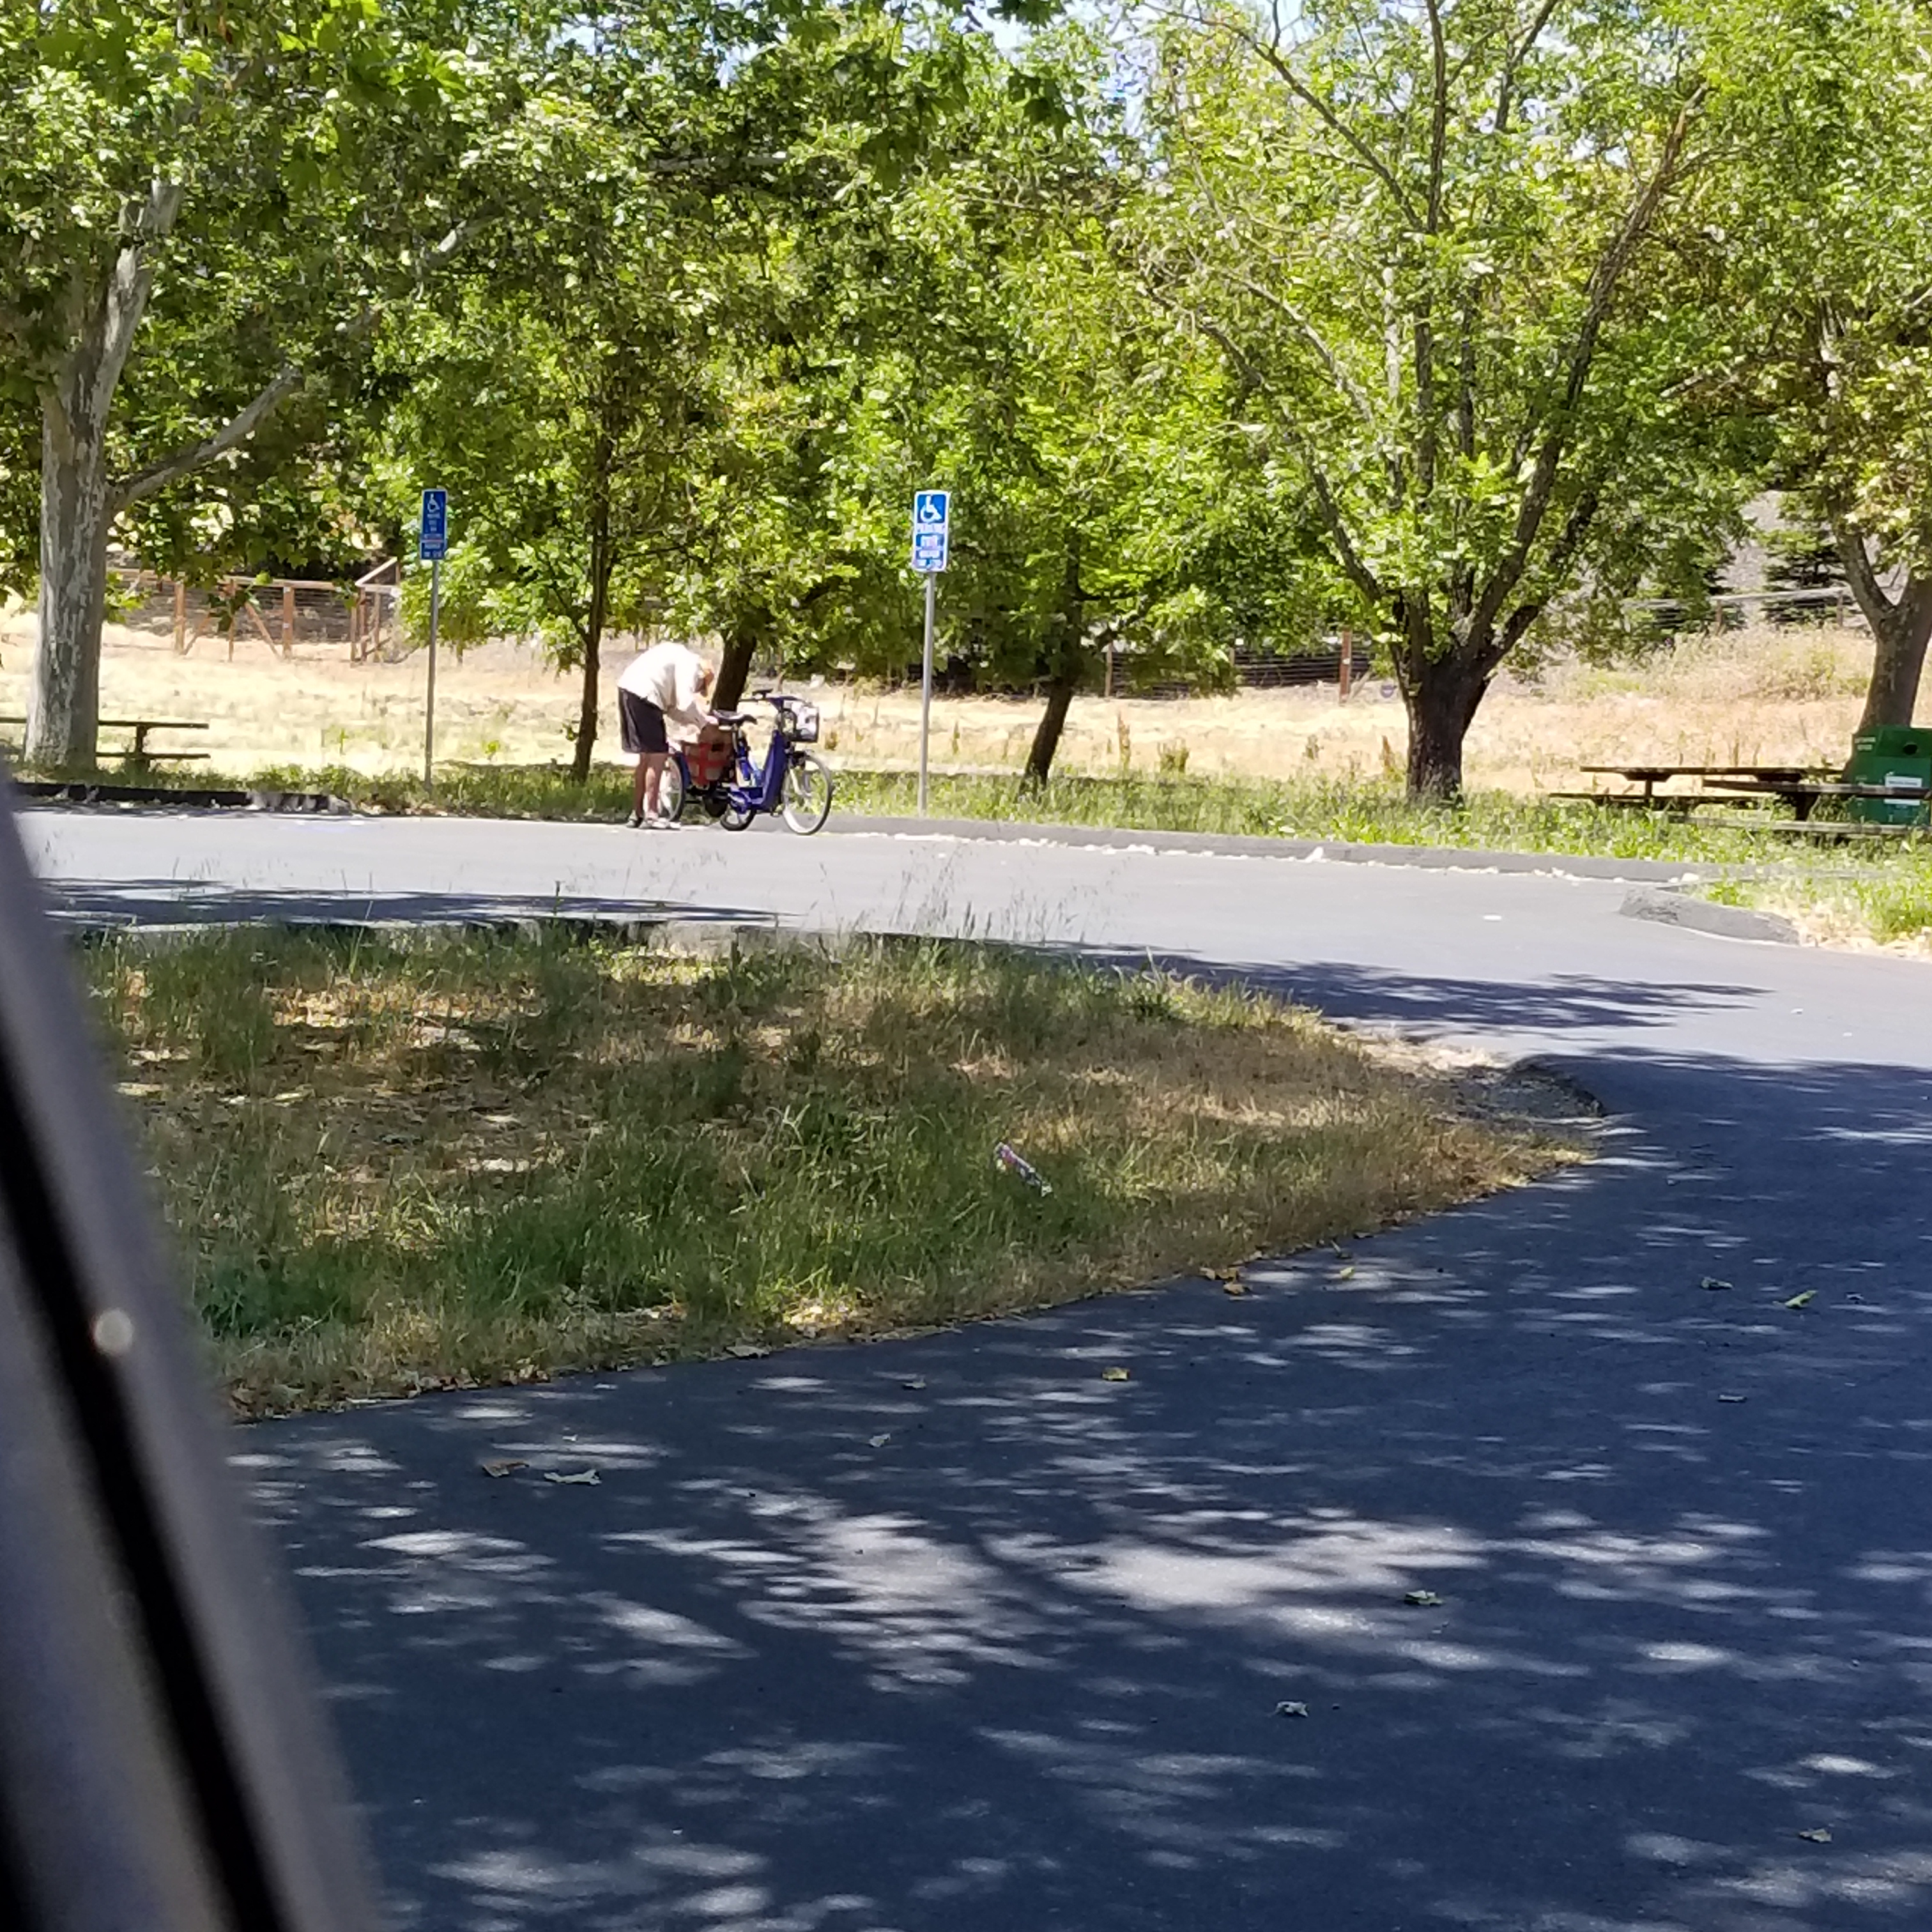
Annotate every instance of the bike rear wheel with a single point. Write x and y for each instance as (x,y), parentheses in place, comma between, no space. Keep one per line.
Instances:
(671,791)
(808,793)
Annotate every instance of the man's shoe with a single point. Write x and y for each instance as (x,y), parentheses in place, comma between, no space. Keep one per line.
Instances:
(636,819)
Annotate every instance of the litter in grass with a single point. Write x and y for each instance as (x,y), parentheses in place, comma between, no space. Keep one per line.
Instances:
(587,1478)
(508,1466)
(1422,1599)
(1014,1164)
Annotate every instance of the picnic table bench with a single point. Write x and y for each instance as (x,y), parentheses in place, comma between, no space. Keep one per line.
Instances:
(1800,787)
(138,752)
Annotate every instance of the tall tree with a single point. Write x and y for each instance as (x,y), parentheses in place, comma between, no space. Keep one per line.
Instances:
(203,203)
(1450,253)
(570,442)
(1828,203)
(636,408)
(1000,353)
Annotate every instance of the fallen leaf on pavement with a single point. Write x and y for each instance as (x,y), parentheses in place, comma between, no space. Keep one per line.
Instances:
(1342,1274)
(745,1351)
(1711,1281)
(880,1441)
(916,1381)
(585,1477)
(1422,1599)
(1234,1287)
(1116,1374)
(1730,1398)
(1287,1710)
(1817,1835)
(1801,1300)
(505,1468)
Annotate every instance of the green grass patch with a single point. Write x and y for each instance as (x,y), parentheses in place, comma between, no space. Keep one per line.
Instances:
(395,1165)
(1343,810)
(1886,904)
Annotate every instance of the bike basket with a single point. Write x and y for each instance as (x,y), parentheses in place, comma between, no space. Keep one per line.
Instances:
(803,729)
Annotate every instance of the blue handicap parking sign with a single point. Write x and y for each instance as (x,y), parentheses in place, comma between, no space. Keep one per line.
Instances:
(931,516)
(433,536)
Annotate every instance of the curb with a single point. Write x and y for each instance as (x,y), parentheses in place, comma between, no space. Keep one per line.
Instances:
(54,791)
(1253,845)
(1725,922)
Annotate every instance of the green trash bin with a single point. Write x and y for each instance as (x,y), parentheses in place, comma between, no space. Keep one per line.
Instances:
(1898,756)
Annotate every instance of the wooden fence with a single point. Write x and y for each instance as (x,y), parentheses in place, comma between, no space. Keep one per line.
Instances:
(281,612)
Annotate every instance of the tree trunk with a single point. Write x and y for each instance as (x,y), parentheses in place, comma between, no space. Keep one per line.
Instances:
(602,563)
(1068,660)
(78,500)
(593,650)
(741,645)
(64,700)
(1900,628)
(1060,690)
(1898,658)
(1441,695)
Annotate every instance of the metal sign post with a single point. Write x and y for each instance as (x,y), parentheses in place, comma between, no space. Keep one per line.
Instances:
(932,533)
(432,547)
(925,690)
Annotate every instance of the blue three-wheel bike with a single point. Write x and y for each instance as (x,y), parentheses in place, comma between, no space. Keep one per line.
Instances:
(719,775)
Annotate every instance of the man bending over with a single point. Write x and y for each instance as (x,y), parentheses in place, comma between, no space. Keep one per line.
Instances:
(668,681)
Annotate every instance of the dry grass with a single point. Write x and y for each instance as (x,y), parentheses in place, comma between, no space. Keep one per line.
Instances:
(1757,694)
(398,1166)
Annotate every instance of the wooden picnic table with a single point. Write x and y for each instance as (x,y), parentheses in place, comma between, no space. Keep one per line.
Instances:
(138,753)
(1746,777)
(1801,787)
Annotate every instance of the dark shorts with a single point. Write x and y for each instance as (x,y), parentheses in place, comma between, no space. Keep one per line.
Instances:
(641,722)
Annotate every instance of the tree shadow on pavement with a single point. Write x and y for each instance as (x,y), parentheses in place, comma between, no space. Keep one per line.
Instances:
(1381,996)
(955,1633)
(107,905)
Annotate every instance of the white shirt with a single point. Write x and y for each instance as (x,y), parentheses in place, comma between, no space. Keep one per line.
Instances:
(666,675)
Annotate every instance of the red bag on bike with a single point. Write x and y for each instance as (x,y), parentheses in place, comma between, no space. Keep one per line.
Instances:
(708,756)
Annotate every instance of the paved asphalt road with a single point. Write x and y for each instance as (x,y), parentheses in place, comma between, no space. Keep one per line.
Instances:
(1016,1667)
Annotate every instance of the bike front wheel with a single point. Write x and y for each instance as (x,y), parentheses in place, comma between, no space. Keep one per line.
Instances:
(808,793)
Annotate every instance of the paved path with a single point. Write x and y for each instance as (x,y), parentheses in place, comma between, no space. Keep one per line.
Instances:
(1016,1668)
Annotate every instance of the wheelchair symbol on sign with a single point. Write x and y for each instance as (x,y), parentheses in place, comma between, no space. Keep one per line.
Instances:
(928,509)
